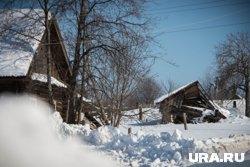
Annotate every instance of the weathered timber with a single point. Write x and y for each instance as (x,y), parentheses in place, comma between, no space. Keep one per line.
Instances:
(92,119)
(190,99)
(185,120)
(59,67)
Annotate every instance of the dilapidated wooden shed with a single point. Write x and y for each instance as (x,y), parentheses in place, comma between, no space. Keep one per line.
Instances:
(190,99)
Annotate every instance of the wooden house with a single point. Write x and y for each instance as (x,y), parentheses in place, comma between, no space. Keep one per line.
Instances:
(23,64)
(190,99)
(23,67)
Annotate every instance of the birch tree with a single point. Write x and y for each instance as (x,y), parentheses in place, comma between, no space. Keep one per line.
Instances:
(99,27)
(233,63)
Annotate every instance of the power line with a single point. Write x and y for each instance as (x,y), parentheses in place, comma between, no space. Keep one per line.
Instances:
(202,28)
(207,20)
(193,9)
(186,5)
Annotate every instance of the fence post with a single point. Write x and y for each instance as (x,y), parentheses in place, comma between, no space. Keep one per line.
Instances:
(129,130)
(234,104)
(140,112)
(185,120)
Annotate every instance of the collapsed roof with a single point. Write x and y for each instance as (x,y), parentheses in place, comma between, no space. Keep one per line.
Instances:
(190,99)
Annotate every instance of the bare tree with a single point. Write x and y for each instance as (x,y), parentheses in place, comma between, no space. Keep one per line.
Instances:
(169,86)
(147,90)
(233,63)
(44,4)
(35,11)
(99,25)
(209,83)
(98,31)
(116,74)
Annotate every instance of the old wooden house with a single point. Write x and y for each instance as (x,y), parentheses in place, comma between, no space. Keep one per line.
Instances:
(23,66)
(190,99)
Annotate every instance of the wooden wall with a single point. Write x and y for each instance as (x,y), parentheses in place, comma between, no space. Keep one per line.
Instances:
(59,94)
(12,85)
(190,100)
(24,85)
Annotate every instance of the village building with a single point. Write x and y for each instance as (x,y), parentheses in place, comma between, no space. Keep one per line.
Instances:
(23,64)
(190,99)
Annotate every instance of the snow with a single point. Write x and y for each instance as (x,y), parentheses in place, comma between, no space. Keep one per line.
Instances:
(28,139)
(152,144)
(84,98)
(163,97)
(228,104)
(13,61)
(16,50)
(149,144)
(43,78)
(233,125)
(202,137)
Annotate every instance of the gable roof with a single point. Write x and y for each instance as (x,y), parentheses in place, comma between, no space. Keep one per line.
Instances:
(163,97)
(23,31)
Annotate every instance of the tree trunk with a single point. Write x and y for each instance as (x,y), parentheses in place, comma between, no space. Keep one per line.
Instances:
(140,112)
(247,107)
(118,120)
(76,66)
(83,94)
(48,54)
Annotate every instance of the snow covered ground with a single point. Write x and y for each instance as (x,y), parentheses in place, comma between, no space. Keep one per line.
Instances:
(149,144)
(235,125)
(153,144)
(229,135)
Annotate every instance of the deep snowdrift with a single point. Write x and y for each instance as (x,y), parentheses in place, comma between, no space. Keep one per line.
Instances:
(27,139)
(30,137)
(155,148)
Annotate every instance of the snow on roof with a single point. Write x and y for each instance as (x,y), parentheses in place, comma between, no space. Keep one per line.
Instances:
(163,97)
(43,78)
(15,61)
(84,98)
(21,32)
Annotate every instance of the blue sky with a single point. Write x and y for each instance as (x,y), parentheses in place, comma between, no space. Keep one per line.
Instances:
(188,30)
